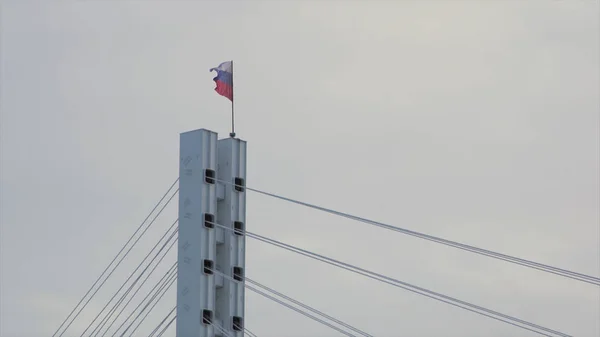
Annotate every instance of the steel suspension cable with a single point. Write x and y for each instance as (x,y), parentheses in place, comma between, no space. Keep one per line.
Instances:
(421,291)
(130,276)
(173,242)
(164,291)
(161,322)
(159,293)
(248,332)
(504,257)
(273,291)
(302,312)
(230,279)
(110,264)
(158,285)
(167,326)
(220,329)
(407,286)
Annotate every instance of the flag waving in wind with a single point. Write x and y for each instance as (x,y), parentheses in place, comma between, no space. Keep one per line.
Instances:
(224,79)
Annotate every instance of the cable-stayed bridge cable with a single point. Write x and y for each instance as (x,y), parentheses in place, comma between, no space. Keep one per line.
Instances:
(161,322)
(273,291)
(130,276)
(105,320)
(163,286)
(158,285)
(108,267)
(307,307)
(302,312)
(220,329)
(508,258)
(173,242)
(159,293)
(164,291)
(167,326)
(248,332)
(407,286)
(504,257)
(418,290)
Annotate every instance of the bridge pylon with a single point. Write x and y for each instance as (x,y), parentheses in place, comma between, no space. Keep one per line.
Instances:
(212,178)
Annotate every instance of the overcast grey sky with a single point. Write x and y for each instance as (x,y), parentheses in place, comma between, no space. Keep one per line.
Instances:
(477,121)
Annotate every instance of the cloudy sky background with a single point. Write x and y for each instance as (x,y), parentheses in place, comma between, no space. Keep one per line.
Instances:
(477,121)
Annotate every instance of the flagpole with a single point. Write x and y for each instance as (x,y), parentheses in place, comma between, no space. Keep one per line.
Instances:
(232,134)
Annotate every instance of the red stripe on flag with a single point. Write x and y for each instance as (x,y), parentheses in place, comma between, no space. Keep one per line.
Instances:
(224,90)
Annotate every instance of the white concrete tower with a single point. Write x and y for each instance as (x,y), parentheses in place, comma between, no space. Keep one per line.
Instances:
(231,251)
(209,174)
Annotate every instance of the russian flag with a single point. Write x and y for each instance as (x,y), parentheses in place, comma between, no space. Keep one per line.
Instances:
(224,79)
